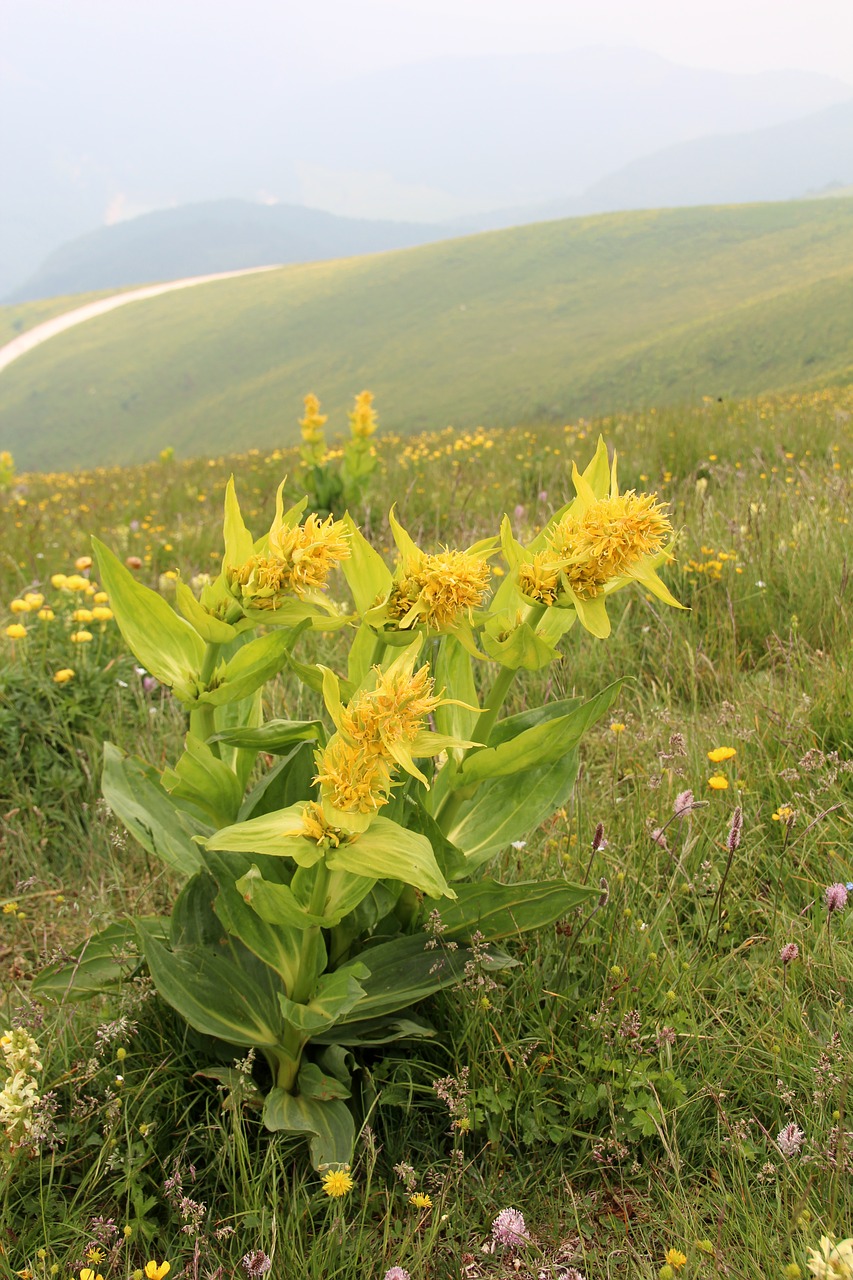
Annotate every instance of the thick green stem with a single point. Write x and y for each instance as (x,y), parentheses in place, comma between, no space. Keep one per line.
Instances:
(203,717)
(306,974)
(378,651)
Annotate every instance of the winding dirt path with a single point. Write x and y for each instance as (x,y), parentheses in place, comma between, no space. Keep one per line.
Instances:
(50,328)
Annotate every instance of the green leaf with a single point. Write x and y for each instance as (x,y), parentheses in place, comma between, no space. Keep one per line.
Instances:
(335,994)
(276,833)
(252,666)
(507,809)
(277,945)
(290,780)
(453,672)
(504,910)
(275,737)
(214,982)
(211,629)
(102,963)
(376,1031)
(132,790)
(165,644)
(515,645)
(246,715)
(202,779)
(367,574)
(314,1083)
(541,744)
(387,851)
(238,541)
(329,1125)
(403,971)
(281,904)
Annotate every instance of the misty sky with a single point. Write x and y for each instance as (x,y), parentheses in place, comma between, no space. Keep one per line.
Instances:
(343,37)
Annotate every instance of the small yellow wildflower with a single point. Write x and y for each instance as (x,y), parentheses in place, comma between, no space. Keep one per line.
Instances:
(313,422)
(34,600)
(101,597)
(675,1258)
(82,563)
(82,615)
(81,637)
(63,675)
(10,908)
(720,754)
(718,783)
(58,580)
(157,1270)
(420,1200)
(101,613)
(337,1183)
(75,583)
(352,781)
(784,813)
(19,606)
(16,631)
(95,1256)
(46,615)
(617,727)
(88,1274)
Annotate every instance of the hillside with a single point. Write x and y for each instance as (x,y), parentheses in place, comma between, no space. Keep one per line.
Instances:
(542,322)
(201,239)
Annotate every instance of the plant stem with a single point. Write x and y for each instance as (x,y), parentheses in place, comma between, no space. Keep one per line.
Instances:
(203,716)
(306,974)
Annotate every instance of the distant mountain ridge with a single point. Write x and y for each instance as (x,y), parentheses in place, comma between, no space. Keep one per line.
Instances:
(216,236)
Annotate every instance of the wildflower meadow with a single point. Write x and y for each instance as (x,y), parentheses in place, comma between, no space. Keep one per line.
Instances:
(430,857)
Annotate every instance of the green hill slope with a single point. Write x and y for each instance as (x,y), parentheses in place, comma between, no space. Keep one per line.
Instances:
(549,321)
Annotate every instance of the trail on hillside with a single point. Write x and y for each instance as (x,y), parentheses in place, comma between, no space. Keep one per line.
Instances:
(50,328)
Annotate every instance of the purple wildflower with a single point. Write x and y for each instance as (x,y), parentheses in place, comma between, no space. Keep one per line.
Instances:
(510,1229)
(790,1140)
(789,952)
(835,897)
(683,804)
(397,1273)
(659,838)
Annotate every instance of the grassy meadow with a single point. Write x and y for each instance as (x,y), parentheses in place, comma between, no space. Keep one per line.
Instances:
(626,1083)
(540,323)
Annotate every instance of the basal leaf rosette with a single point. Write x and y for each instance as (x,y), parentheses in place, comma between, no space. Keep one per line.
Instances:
(600,542)
(429,593)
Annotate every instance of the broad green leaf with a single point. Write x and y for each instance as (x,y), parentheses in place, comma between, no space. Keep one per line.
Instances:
(376,1031)
(283,904)
(453,672)
(290,780)
(275,737)
(278,946)
(278,834)
(335,994)
(328,1125)
(504,910)
(368,577)
(202,779)
(361,651)
(387,851)
(132,790)
(507,809)
(538,745)
(251,666)
(101,963)
(211,629)
(314,1083)
(404,971)
(165,644)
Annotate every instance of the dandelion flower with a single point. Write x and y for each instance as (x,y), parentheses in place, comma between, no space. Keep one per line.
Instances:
(337,1183)
(420,1200)
(721,754)
(510,1229)
(718,782)
(675,1258)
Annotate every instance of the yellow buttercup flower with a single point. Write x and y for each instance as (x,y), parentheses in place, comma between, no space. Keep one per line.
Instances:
(76,583)
(101,613)
(19,606)
(88,1274)
(101,597)
(721,754)
(46,615)
(34,600)
(157,1270)
(82,615)
(15,631)
(81,637)
(337,1183)
(58,580)
(718,783)
(63,675)
(362,420)
(83,562)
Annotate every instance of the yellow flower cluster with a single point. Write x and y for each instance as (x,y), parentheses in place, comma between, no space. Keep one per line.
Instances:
(602,544)
(438,589)
(70,587)
(313,422)
(299,560)
(362,420)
